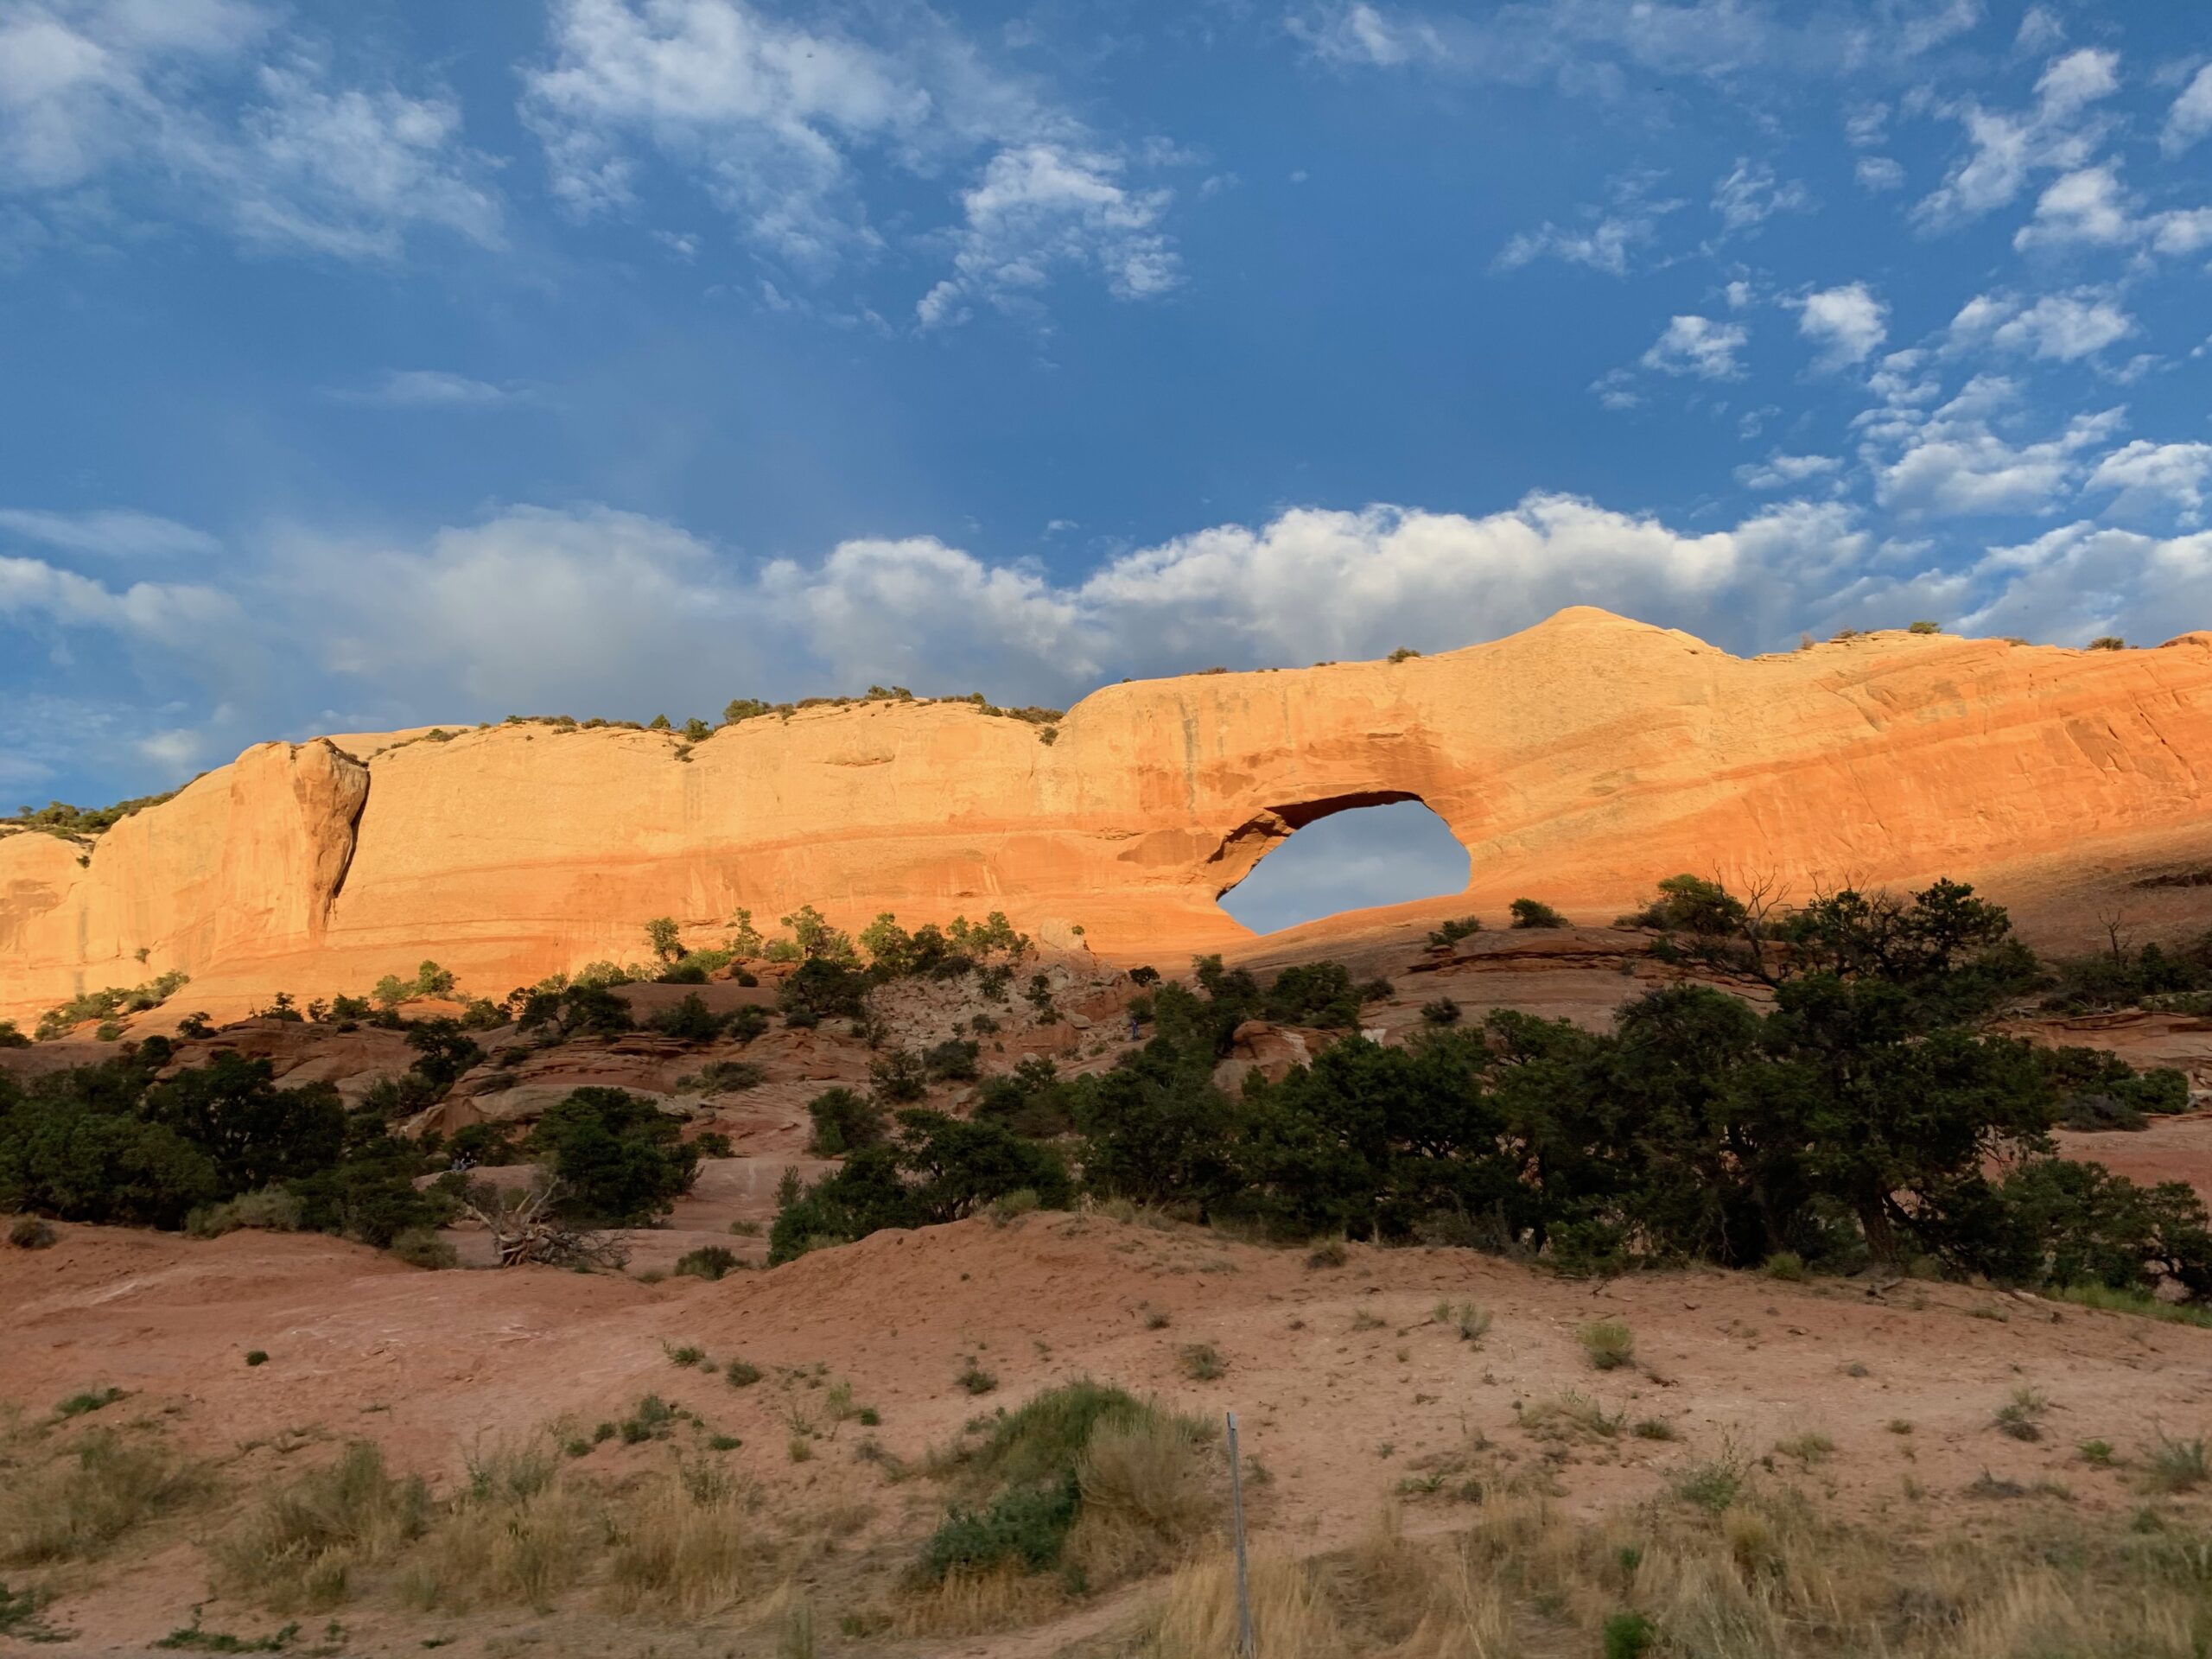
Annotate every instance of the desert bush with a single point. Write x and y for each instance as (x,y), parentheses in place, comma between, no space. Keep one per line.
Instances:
(273,1209)
(32,1233)
(1531,913)
(1083,1473)
(707,1261)
(1441,1012)
(1451,932)
(899,1076)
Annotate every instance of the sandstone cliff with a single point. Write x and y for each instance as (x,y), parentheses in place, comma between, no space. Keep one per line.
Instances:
(1578,761)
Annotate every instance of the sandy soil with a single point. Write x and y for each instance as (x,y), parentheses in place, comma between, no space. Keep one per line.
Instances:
(1343,1381)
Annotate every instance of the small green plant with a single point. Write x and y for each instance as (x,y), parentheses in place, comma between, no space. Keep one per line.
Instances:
(1329,1254)
(2021,1417)
(2097,1453)
(1201,1362)
(1628,1636)
(1609,1344)
(974,1379)
(1656,1428)
(1900,1425)
(724,1442)
(1441,1012)
(1531,913)
(1924,627)
(31,1233)
(652,1419)
(1785,1265)
(740,1375)
(1712,1486)
(256,1356)
(685,1356)
(77,1404)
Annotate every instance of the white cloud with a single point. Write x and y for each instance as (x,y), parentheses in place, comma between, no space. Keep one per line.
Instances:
(2058,133)
(2039,31)
(1953,461)
(1698,345)
(110,532)
(190,617)
(1846,322)
(1879,173)
(2063,327)
(1044,206)
(1602,245)
(2080,580)
(1780,472)
(2089,206)
(2190,118)
(430,389)
(1592,47)
(217,113)
(782,121)
(2145,474)
(1749,195)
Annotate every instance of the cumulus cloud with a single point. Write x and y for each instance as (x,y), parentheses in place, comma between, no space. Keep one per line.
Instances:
(2059,133)
(2062,327)
(1044,206)
(109,532)
(2190,118)
(1879,173)
(787,123)
(2149,475)
(1847,324)
(1955,461)
(190,617)
(215,111)
(1701,347)
(2091,207)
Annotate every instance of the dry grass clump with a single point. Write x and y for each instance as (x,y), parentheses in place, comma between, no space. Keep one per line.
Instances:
(1608,1344)
(1766,1577)
(72,1503)
(687,1542)
(518,1534)
(298,1548)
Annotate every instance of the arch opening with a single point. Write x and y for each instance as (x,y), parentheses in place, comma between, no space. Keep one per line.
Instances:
(1303,863)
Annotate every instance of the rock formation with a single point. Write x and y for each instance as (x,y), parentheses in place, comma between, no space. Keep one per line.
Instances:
(1578,761)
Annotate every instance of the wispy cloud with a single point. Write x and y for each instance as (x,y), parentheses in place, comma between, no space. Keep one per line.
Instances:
(785,124)
(216,111)
(108,533)
(1698,345)
(430,389)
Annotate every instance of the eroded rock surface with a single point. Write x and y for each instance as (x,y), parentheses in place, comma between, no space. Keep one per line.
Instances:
(1578,761)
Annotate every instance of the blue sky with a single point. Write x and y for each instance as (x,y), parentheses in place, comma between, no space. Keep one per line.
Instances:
(397,362)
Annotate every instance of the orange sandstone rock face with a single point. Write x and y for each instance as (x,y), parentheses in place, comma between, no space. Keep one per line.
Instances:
(1578,761)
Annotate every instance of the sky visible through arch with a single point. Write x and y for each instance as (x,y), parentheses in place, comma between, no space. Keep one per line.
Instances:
(404,362)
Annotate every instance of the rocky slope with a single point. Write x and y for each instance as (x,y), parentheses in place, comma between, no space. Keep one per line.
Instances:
(1578,761)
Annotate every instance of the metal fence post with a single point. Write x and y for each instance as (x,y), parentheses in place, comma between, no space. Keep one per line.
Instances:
(1244,1643)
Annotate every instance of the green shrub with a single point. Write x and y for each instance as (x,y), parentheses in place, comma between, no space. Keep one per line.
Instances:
(707,1261)
(621,1160)
(845,1122)
(933,1169)
(421,1246)
(32,1233)
(1530,912)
